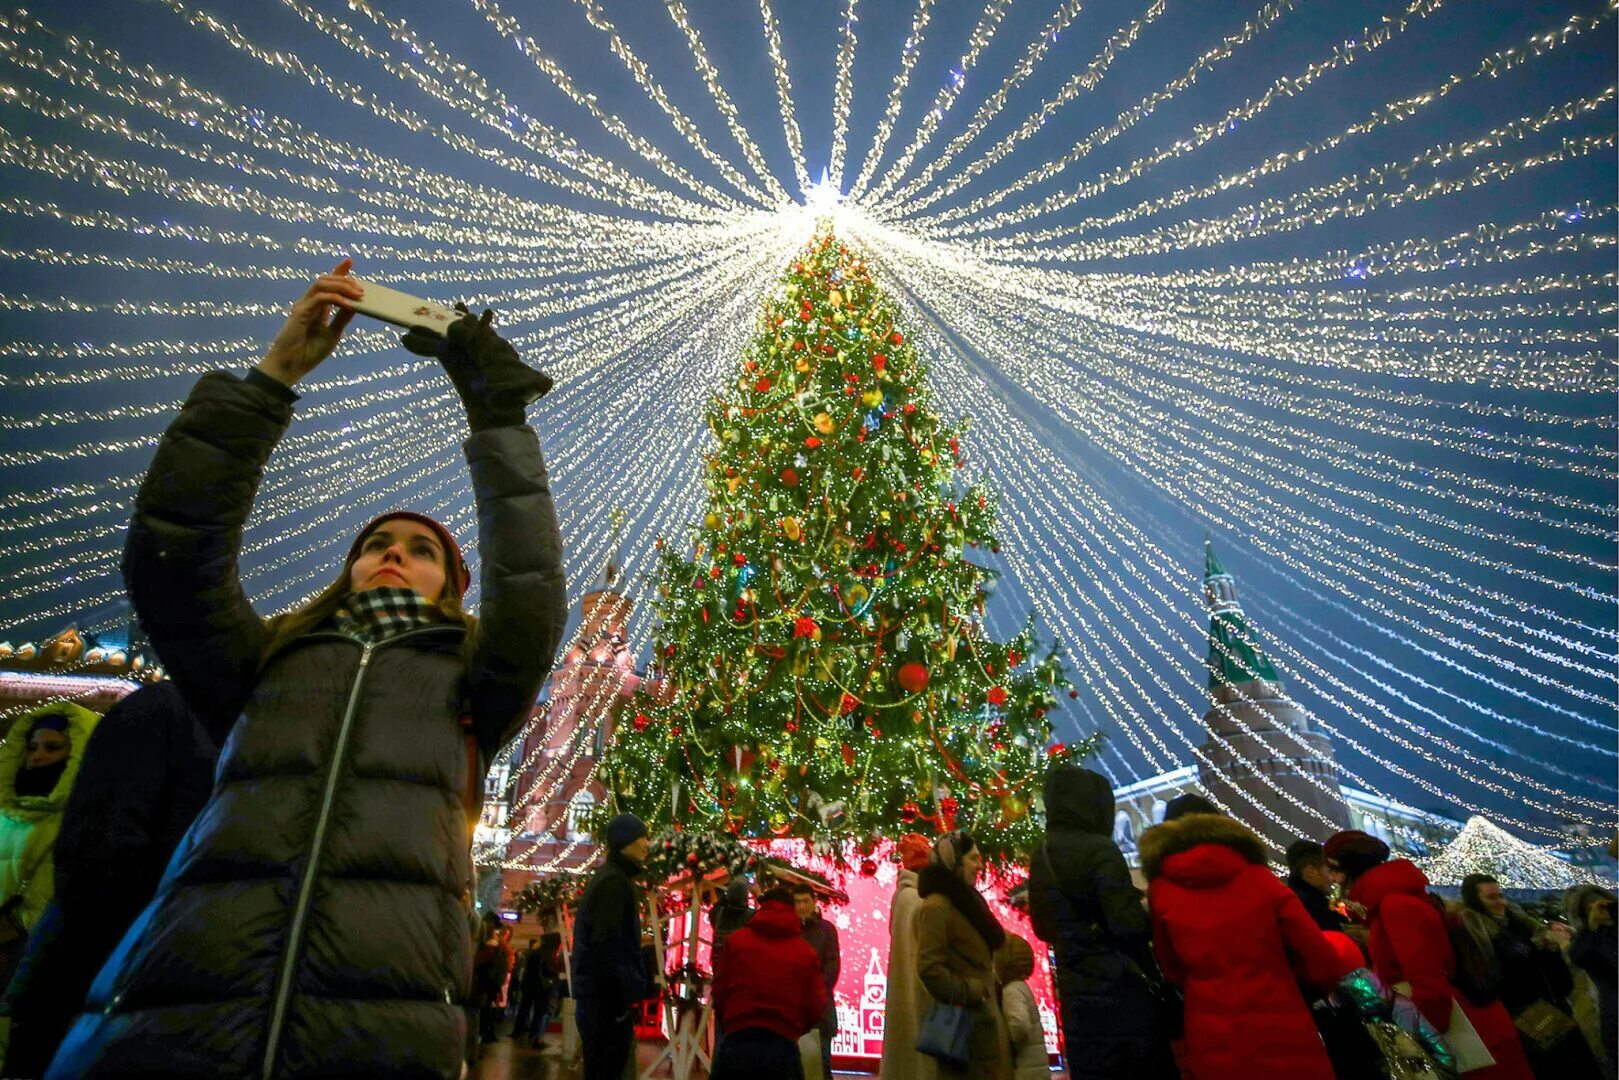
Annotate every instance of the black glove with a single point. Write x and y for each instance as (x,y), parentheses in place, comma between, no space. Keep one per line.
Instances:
(494,383)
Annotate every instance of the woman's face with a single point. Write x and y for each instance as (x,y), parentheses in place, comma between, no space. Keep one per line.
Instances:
(1492,899)
(401,553)
(45,747)
(972,864)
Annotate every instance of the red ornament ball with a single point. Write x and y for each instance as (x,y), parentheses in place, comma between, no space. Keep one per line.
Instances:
(996,695)
(897,338)
(789,476)
(868,868)
(913,677)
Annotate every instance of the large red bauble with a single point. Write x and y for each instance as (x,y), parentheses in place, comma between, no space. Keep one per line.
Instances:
(913,677)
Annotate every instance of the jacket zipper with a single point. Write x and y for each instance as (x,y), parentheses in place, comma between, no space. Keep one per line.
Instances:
(289,957)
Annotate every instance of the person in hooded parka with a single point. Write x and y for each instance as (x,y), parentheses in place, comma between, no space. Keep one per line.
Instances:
(1083,903)
(39,763)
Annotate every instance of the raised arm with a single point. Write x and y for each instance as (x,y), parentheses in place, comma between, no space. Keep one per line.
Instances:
(180,559)
(524,605)
(524,597)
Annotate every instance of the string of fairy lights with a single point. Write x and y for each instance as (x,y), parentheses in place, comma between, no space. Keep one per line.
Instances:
(1372,350)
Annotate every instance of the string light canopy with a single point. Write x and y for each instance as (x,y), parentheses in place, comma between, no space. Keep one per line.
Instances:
(1332,281)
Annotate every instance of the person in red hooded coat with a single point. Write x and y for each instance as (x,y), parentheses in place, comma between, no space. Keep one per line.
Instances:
(1238,942)
(768,994)
(1410,946)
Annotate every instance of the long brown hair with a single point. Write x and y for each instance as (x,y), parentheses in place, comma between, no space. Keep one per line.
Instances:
(320,608)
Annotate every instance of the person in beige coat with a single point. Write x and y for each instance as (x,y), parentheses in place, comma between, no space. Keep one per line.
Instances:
(957,936)
(1014,963)
(907,1002)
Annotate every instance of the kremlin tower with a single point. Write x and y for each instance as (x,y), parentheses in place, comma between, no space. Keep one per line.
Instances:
(553,795)
(1258,731)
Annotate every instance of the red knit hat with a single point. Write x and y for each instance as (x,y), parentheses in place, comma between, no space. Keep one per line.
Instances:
(463,576)
(914,851)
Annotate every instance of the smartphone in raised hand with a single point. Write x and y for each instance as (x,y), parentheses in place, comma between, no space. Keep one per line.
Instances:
(403,309)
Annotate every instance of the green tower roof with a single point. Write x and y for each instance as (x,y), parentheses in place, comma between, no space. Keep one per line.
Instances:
(1235,653)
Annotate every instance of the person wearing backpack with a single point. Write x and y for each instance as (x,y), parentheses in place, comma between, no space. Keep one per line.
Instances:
(1412,951)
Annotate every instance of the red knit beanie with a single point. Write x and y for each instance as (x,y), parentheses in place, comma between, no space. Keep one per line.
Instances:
(914,851)
(461,579)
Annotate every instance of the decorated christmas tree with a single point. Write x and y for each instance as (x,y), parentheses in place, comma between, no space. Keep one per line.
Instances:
(825,671)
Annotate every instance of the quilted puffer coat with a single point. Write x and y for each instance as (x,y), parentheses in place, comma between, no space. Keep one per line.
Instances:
(1082,901)
(313,922)
(29,823)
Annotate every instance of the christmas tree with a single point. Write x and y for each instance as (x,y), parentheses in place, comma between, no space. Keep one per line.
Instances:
(824,670)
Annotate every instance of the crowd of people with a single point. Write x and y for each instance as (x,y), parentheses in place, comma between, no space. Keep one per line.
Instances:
(1347,967)
(261,867)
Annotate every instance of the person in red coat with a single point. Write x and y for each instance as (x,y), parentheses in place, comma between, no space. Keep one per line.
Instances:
(1237,941)
(767,994)
(1410,947)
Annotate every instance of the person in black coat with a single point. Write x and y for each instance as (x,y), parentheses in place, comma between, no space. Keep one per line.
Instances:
(1595,950)
(1307,877)
(541,967)
(730,913)
(823,938)
(146,772)
(610,977)
(1083,903)
(314,918)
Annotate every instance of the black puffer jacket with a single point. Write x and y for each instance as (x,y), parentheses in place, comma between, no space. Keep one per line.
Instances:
(1081,898)
(313,921)
(147,771)
(1082,901)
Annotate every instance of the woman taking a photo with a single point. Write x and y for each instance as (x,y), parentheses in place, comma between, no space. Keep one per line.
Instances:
(313,922)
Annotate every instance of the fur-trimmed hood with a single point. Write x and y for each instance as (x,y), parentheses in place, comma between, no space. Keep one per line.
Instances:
(1226,836)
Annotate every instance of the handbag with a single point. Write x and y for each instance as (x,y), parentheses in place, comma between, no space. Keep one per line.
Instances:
(1544,1024)
(947,1034)
(1403,1056)
(809,1054)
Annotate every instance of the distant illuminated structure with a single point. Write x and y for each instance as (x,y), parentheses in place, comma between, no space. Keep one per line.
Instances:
(552,795)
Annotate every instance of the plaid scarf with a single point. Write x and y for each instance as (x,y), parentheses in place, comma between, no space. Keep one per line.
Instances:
(381,613)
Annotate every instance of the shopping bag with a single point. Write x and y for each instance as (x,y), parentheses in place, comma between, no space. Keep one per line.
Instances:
(947,1034)
(1471,1053)
(809,1052)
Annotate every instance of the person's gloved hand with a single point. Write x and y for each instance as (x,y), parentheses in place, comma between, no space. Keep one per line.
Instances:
(494,384)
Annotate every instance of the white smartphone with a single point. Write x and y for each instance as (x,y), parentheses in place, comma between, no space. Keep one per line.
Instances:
(403,309)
